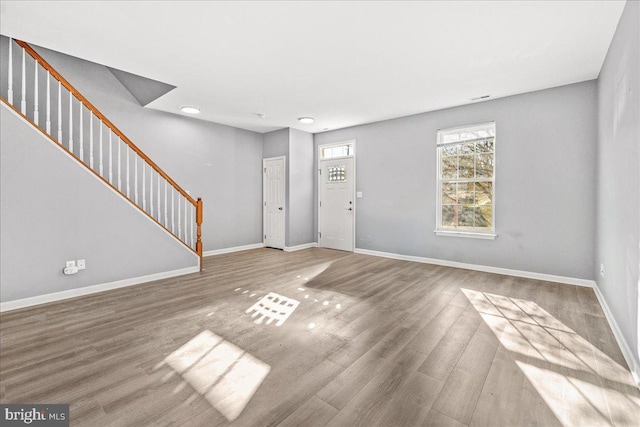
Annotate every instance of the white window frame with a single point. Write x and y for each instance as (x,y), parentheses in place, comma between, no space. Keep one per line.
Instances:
(350,142)
(471,233)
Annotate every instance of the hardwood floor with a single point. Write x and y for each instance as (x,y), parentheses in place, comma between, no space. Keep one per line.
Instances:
(373,341)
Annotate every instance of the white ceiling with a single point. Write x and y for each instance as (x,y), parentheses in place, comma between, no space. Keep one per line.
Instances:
(344,63)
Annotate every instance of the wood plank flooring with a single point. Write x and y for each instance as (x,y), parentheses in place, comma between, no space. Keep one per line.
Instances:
(373,341)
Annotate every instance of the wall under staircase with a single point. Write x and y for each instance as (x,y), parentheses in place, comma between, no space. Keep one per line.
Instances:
(53,210)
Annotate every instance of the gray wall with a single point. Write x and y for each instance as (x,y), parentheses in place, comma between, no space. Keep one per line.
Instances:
(301,188)
(545,157)
(275,143)
(298,148)
(219,163)
(618,172)
(52,211)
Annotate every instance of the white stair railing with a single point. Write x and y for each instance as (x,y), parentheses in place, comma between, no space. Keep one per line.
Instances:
(175,200)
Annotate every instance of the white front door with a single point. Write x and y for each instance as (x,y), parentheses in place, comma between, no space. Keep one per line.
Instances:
(336,210)
(273,201)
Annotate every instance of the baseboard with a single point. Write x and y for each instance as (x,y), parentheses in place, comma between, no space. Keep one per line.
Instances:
(300,247)
(234,249)
(484,268)
(634,367)
(72,293)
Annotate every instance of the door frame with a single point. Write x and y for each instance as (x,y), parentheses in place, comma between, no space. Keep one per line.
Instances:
(264,198)
(355,203)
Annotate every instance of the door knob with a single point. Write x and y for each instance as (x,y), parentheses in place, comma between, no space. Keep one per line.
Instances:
(280,208)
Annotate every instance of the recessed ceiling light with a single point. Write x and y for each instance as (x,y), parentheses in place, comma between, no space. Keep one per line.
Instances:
(190,110)
(306,120)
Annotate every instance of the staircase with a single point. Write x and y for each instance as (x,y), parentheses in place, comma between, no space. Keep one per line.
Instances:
(38,93)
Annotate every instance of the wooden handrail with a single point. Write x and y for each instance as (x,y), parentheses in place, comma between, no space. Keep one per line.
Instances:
(101,116)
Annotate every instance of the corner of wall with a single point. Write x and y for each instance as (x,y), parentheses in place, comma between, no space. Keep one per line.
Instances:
(617,225)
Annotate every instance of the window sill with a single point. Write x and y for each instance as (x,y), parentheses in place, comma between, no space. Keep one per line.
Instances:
(468,234)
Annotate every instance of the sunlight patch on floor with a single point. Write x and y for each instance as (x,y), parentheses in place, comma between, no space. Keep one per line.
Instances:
(312,272)
(567,397)
(272,307)
(224,374)
(577,381)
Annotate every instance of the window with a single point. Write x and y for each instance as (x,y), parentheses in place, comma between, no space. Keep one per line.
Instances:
(337,173)
(336,151)
(466,159)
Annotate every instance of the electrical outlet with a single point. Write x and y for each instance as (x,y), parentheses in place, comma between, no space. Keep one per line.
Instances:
(602,270)
(81,264)
(70,270)
(71,264)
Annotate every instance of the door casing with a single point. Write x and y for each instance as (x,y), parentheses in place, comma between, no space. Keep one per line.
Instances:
(353,196)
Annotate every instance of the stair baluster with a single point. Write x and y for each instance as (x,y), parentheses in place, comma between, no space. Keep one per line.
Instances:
(110,158)
(23,101)
(59,112)
(35,96)
(80,119)
(100,147)
(144,189)
(135,180)
(48,123)
(91,141)
(71,122)
(10,73)
(119,166)
(128,186)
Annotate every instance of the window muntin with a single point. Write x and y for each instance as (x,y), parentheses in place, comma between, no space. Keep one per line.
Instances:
(466,173)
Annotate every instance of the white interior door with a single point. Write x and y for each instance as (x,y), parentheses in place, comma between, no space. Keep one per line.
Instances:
(336,210)
(274,201)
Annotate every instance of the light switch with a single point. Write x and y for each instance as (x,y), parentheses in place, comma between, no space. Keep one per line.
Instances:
(359,194)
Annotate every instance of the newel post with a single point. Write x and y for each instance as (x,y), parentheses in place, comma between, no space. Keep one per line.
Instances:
(199,229)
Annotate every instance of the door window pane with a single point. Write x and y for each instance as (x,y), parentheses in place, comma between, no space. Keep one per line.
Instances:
(337,173)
